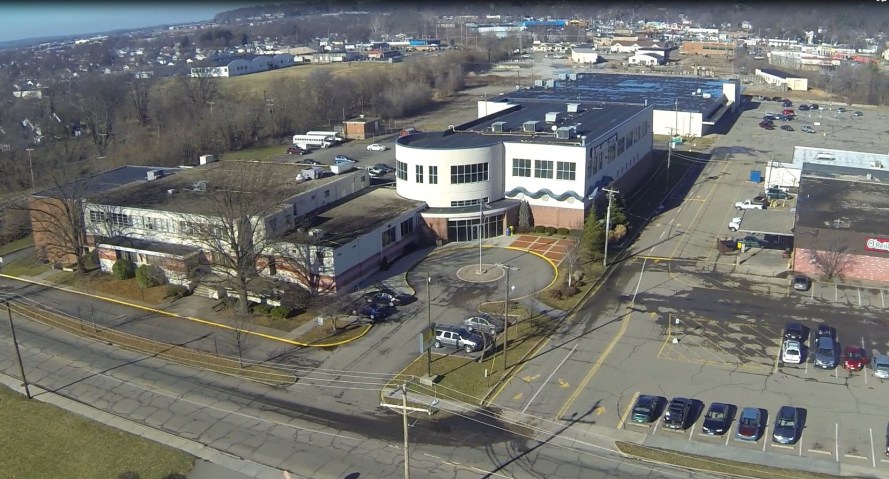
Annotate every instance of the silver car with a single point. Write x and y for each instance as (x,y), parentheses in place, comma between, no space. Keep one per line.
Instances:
(881,366)
(485,324)
(825,353)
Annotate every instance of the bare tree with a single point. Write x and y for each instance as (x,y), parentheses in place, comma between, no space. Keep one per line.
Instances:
(573,256)
(139,95)
(98,104)
(302,256)
(833,260)
(234,221)
(199,90)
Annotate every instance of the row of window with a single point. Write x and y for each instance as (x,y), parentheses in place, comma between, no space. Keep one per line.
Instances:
(121,220)
(475,202)
(565,170)
(401,172)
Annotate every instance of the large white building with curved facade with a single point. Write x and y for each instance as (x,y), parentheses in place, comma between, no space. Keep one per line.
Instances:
(556,155)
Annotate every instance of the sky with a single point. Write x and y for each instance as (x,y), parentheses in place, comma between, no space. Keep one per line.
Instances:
(20,20)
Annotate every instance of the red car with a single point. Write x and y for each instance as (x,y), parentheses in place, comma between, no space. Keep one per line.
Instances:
(295,150)
(854,358)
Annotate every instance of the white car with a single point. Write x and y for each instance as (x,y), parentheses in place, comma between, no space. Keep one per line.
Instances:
(735,224)
(791,352)
(376,147)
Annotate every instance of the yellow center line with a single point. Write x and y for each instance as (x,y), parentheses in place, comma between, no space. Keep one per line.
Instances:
(595,368)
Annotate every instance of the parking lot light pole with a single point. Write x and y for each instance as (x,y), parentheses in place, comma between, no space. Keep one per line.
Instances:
(508,268)
(18,354)
(429,321)
(407,467)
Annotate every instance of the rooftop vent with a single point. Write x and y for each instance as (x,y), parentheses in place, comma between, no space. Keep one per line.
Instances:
(531,126)
(199,186)
(876,164)
(706,95)
(563,76)
(154,174)
(316,233)
(572,76)
(573,107)
(553,117)
(538,82)
(565,133)
(825,157)
(497,126)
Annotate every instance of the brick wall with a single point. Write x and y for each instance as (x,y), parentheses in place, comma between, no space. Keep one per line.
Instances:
(557,217)
(52,235)
(858,267)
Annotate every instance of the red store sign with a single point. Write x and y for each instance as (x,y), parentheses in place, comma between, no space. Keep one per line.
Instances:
(877,244)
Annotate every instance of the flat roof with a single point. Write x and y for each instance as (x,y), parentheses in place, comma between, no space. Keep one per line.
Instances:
(155,194)
(770,221)
(97,184)
(776,73)
(357,215)
(843,204)
(659,90)
(592,120)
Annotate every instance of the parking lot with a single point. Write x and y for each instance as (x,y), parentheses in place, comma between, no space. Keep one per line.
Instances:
(743,346)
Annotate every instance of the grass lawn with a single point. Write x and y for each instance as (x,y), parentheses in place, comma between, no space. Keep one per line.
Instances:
(463,378)
(105,284)
(740,469)
(591,272)
(266,83)
(17,245)
(41,440)
(27,265)
(260,153)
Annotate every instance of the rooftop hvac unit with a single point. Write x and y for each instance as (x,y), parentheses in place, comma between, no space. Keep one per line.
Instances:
(563,76)
(706,95)
(572,76)
(497,126)
(552,117)
(199,186)
(154,174)
(550,83)
(530,126)
(538,82)
(876,164)
(573,107)
(316,233)
(565,133)
(207,159)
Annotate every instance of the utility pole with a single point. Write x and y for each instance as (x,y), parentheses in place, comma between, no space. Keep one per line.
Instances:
(669,153)
(611,194)
(429,321)
(18,354)
(211,108)
(508,268)
(407,467)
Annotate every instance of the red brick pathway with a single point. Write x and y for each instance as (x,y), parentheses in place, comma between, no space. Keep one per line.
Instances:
(553,249)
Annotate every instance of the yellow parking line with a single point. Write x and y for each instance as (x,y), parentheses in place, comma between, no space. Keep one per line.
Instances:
(623,417)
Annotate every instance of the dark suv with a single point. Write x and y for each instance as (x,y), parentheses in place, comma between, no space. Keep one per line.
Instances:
(458,337)
(677,413)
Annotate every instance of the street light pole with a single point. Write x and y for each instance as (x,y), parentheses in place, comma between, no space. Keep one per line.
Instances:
(30,165)
(607,224)
(407,467)
(481,219)
(429,321)
(508,268)
(18,354)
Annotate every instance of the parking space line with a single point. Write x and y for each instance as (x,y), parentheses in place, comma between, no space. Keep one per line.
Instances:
(836,439)
(623,418)
(819,451)
(783,446)
(765,433)
(855,456)
(728,434)
(656,424)
(691,432)
(873,452)
(864,366)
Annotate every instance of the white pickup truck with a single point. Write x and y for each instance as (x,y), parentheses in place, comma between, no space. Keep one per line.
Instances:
(753,204)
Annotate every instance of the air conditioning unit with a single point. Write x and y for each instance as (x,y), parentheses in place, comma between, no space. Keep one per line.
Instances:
(316,233)
(565,133)
(154,174)
(553,117)
(573,107)
(207,159)
(530,126)
(497,126)
(876,164)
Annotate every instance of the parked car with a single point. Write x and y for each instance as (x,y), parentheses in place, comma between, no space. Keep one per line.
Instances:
(814,106)
(458,337)
(881,366)
(295,150)
(825,353)
(807,129)
(857,113)
(787,103)
(803,108)
(778,194)
(749,424)
(340,159)
(717,419)
(376,147)
(854,358)
(791,352)
(801,282)
(825,331)
(486,324)
(646,408)
(375,312)
(794,331)
(787,128)
(379,169)
(678,412)
(309,161)
(735,223)
(841,110)
(751,242)
(389,298)
(787,425)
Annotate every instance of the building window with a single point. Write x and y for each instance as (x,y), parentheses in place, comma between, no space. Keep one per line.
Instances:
(401,170)
(389,236)
(119,219)
(327,193)
(521,167)
(419,173)
(475,202)
(543,169)
(407,227)
(565,170)
(433,175)
(97,216)
(473,173)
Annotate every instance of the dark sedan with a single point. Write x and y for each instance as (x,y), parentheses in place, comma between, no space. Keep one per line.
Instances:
(717,419)
(645,410)
(787,425)
(794,331)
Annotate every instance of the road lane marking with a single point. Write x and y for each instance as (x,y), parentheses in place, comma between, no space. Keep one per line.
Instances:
(576,343)
(623,417)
